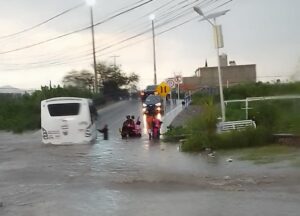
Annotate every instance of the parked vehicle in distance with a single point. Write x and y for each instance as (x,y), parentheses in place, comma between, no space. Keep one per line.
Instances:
(153,105)
(149,90)
(68,120)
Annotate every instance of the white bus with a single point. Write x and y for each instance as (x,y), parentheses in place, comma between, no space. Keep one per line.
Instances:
(68,120)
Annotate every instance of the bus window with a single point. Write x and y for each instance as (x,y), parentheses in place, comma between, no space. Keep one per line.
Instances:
(66,109)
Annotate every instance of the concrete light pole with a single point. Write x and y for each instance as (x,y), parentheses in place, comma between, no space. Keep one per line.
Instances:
(218,44)
(91,3)
(152,18)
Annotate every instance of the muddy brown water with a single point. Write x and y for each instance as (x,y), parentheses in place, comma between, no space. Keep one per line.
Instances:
(136,177)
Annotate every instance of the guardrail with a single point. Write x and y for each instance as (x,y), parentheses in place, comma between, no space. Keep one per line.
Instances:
(250,99)
(235,125)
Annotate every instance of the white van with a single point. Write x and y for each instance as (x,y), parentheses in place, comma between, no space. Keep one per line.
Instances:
(68,120)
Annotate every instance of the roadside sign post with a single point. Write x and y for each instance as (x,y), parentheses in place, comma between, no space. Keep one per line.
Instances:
(178,80)
(172,84)
(163,90)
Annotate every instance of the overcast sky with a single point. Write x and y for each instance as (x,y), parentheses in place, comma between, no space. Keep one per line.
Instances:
(262,32)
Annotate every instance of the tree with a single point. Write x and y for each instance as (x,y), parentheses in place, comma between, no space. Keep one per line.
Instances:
(82,79)
(112,81)
(115,73)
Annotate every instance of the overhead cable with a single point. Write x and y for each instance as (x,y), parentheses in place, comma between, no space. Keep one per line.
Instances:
(76,31)
(41,23)
(83,57)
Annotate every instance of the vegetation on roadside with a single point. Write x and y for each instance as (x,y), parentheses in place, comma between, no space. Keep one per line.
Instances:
(268,154)
(19,113)
(114,83)
(203,134)
(260,89)
(270,116)
(281,115)
(174,134)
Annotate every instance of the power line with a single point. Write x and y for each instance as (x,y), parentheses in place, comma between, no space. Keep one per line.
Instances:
(112,12)
(159,17)
(159,33)
(221,5)
(131,38)
(144,31)
(164,5)
(130,5)
(41,23)
(83,29)
(137,35)
(168,13)
(135,25)
(130,26)
(76,31)
(105,20)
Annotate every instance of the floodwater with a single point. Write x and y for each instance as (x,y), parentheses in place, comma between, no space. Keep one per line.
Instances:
(136,177)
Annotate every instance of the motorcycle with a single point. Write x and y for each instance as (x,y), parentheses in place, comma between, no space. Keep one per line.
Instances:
(155,132)
(130,131)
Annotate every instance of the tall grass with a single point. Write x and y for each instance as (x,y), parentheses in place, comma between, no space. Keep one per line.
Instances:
(260,89)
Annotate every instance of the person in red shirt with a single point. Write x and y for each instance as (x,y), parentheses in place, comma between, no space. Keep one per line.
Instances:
(149,121)
(156,128)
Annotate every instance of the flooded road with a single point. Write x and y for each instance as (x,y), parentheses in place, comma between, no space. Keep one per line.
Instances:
(136,177)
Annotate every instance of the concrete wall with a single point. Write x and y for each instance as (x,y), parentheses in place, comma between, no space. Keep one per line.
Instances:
(190,83)
(207,77)
(231,75)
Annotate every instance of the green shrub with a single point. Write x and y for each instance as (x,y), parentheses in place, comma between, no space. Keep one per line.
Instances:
(229,140)
(196,142)
(260,89)
(266,114)
(274,116)
(242,139)
(174,134)
(201,129)
(206,120)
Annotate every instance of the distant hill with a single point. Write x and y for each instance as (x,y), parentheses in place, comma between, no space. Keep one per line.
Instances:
(11,90)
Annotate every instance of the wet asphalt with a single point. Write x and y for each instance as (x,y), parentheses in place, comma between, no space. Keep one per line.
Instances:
(136,177)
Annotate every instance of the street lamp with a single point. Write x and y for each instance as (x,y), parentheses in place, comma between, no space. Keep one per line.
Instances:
(91,3)
(218,44)
(152,18)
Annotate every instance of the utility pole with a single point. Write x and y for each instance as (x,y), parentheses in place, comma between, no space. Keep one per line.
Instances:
(94,51)
(115,60)
(91,3)
(152,17)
